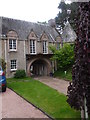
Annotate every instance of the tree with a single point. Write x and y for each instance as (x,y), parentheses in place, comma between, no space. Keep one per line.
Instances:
(67,11)
(64,56)
(79,89)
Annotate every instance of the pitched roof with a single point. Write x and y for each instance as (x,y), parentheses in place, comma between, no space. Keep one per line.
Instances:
(68,34)
(23,28)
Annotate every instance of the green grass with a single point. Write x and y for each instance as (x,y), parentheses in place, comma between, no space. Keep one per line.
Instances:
(44,97)
(61,74)
(19,79)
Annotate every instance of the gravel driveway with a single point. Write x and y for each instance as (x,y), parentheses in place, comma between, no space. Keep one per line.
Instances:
(13,106)
(58,84)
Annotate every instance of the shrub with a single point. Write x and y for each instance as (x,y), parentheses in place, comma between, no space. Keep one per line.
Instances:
(20,74)
(64,56)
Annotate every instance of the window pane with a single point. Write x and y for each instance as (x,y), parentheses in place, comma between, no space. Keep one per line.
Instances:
(44,47)
(32,46)
(13,64)
(58,46)
(12,44)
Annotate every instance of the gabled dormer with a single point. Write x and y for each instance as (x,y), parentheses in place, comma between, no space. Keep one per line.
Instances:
(44,37)
(32,35)
(32,42)
(58,42)
(44,40)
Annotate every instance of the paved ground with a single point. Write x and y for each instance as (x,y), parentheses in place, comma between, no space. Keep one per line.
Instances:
(58,84)
(14,106)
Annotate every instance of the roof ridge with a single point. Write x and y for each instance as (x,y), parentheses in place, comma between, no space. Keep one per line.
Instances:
(24,21)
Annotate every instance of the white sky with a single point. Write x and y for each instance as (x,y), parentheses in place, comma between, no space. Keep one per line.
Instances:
(29,10)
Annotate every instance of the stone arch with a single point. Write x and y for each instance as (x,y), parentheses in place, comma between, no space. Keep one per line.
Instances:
(40,63)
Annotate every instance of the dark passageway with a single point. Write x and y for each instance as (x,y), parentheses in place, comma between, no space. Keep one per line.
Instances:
(39,68)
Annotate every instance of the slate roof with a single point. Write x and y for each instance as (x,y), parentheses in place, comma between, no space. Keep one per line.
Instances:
(68,34)
(23,28)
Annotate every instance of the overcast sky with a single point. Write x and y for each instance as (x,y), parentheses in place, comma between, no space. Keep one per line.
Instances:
(29,10)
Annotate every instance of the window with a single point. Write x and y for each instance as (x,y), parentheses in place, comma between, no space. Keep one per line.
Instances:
(45,47)
(12,44)
(13,65)
(32,46)
(58,46)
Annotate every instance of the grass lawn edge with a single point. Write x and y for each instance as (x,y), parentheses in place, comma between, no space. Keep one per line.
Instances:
(32,104)
(35,105)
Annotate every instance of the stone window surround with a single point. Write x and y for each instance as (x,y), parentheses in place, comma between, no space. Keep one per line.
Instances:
(13,65)
(13,45)
(44,40)
(32,47)
(12,38)
(58,45)
(12,35)
(32,37)
(45,47)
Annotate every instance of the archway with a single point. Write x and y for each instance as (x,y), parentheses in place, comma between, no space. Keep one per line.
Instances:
(39,67)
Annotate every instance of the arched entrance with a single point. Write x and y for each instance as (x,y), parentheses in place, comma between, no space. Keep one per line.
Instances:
(39,67)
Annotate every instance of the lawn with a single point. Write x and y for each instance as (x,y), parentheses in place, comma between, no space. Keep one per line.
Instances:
(61,74)
(44,97)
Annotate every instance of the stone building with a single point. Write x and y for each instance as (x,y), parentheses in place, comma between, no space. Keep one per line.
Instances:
(25,45)
(68,34)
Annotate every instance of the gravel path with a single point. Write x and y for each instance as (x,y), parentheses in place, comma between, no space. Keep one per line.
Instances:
(13,106)
(58,84)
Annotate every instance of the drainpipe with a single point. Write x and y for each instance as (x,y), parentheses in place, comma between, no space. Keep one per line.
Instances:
(24,55)
(5,51)
(5,48)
